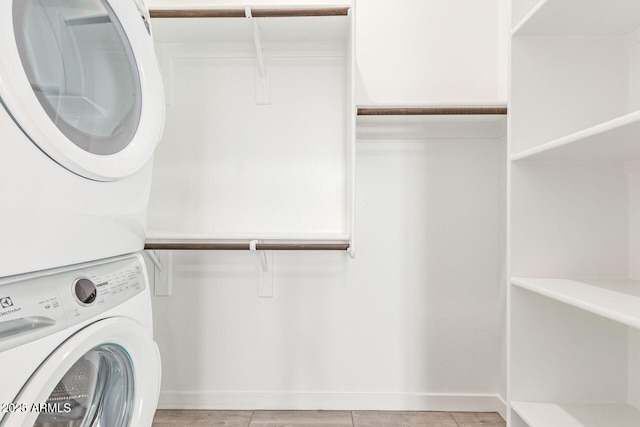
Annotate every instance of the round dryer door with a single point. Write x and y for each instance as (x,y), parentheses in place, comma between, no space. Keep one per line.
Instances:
(80,78)
(108,374)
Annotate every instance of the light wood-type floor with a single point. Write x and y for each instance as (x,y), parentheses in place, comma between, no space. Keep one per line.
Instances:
(174,418)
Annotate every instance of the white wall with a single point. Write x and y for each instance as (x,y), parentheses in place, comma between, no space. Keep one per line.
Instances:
(416,321)
(232,166)
(569,220)
(431,51)
(413,322)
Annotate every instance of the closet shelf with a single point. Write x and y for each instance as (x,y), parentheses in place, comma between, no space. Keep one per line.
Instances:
(432,122)
(267,242)
(288,26)
(255,12)
(432,111)
(614,140)
(580,18)
(233,246)
(615,299)
(544,414)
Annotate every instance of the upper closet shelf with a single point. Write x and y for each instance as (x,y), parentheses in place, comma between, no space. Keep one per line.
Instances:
(580,18)
(276,25)
(615,299)
(615,140)
(255,12)
(432,122)
(543,414)
(184,241)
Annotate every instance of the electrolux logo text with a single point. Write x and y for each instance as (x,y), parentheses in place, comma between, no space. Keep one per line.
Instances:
(6,304)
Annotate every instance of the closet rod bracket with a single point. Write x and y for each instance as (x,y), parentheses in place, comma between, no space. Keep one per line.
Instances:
(253,246)
(263,77)
(154,259)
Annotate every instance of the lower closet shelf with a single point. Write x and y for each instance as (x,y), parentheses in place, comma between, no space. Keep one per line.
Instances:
(545,414)
(615,299)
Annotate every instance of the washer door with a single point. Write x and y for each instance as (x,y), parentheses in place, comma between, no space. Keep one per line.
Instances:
(81,79)
(107,374)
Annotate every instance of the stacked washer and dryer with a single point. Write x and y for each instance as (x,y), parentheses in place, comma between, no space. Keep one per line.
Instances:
(82,112)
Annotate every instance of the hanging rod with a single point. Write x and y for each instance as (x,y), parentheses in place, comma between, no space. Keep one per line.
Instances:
(256,13)
(431,111)
(246,246)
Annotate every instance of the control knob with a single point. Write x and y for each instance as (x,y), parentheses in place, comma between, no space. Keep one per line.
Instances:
(85,291)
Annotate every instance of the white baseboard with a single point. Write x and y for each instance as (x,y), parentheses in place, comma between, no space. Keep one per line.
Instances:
(332,401)
(501,407)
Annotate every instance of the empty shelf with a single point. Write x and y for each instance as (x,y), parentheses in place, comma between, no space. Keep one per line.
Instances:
(432,111)
(255,12)
(580,18)
(222,246)
(615,299)
(432,122)
(614,140)
(299,242)
(544,414)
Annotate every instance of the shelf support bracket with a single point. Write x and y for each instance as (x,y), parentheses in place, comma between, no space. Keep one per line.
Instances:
(263,72)
(257,40)
(154,259)
(265,274)
(162,272)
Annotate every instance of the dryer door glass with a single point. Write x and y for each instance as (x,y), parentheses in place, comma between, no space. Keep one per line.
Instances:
(97,391)
(82,69)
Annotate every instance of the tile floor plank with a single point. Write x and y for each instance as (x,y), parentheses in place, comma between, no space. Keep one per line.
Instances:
(478,419)
(301,419)
(402,419)
(183,418)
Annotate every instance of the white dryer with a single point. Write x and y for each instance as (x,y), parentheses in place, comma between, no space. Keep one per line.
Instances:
(82,112)
(76,347)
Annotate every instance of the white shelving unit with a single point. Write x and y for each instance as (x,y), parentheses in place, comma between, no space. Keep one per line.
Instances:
(574,66)
(574,293)
(259,141)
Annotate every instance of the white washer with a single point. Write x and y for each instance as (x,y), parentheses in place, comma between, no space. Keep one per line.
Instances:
(76,347)
(82,112)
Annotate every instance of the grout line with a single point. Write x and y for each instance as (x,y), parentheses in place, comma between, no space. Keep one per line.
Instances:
(454,420)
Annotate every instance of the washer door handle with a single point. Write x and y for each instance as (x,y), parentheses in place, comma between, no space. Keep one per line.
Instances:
(11,328)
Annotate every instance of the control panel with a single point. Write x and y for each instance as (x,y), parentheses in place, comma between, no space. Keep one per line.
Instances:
(39,305)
